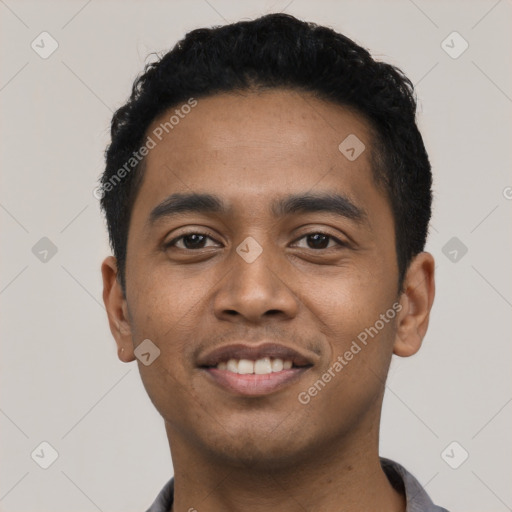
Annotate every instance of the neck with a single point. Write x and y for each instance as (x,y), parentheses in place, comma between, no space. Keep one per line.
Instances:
(343,477)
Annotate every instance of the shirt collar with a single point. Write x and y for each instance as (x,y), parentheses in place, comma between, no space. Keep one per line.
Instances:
(417,498)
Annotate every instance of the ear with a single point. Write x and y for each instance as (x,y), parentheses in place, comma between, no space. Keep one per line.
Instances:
(416,301)
(117,310)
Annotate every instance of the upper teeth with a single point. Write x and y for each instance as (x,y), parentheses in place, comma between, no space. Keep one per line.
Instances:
(259,367)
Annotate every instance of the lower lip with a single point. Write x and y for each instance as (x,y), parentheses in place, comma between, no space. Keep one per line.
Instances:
(252,384)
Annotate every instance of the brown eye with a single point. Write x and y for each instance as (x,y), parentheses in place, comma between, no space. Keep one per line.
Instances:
(319,240)
(194,241)
(189,241)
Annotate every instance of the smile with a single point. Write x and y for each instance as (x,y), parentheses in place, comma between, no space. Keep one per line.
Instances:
(254,378)
(254,370)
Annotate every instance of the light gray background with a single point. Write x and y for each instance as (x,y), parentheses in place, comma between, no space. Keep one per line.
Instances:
(61,381)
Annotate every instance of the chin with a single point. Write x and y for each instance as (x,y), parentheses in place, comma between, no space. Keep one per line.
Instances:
(262,450)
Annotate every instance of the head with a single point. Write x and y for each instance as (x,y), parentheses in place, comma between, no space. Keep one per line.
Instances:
(285,141)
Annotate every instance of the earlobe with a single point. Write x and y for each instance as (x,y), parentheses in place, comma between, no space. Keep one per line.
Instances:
(117,310)
(416,301)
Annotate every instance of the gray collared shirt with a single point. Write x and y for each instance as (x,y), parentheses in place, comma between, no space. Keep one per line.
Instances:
(417,499)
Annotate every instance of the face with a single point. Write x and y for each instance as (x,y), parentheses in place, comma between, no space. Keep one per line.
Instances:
(289,260)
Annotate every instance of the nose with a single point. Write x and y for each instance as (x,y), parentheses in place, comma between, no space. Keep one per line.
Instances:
(254,291)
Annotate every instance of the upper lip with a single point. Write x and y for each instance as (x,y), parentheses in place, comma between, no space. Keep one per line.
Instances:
(254,352)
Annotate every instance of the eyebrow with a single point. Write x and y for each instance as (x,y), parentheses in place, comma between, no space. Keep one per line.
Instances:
(337,204)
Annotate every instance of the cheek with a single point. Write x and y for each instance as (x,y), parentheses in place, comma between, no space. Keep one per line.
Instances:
(349,300)
(167,316)
(355,371)
(164,303)
(355,313)
(170,311)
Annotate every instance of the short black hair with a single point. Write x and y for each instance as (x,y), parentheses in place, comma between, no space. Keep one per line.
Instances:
(277,51)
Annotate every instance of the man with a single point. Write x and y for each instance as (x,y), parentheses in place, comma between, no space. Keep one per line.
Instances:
(267,195)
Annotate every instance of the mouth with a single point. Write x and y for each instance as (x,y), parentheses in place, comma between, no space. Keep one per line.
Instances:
(254,370)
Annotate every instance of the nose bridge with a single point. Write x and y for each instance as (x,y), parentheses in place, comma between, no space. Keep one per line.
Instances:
(254,261)
(255,284)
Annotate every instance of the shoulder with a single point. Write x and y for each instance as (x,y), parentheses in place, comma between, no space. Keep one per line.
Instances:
(417,498)
(165,498)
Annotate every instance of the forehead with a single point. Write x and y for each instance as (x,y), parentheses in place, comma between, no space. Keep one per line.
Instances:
(253,147)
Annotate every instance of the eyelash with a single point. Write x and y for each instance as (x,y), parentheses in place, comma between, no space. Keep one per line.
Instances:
(171,243)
